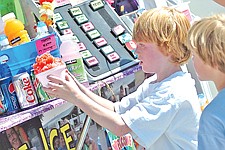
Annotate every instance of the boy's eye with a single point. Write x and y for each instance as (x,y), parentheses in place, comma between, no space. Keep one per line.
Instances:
(141,45)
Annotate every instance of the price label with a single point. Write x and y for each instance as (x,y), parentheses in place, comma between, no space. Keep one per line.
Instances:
(75,11)
(62,25)
(97,4)
(46,44)
(81,19)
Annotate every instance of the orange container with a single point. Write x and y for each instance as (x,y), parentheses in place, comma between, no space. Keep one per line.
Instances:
(14,30)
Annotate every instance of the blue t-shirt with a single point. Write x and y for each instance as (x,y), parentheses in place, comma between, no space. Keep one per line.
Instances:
(211,135)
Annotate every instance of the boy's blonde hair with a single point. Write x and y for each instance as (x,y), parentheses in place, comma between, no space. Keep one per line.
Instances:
(206,38)
(167,28)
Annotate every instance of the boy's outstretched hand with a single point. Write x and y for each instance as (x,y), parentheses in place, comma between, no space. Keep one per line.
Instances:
(66,88)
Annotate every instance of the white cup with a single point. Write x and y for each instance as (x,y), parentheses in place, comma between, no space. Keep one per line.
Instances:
(58,71)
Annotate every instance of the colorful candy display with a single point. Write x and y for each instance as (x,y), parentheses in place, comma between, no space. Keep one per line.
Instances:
(46,12)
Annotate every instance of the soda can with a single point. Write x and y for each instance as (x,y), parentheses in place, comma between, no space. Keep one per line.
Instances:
(2,107)
(24,90)
(41,94)
(9,98)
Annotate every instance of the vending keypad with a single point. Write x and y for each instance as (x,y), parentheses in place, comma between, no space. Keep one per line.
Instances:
(102,38)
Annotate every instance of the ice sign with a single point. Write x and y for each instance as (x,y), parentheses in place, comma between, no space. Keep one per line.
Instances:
(97,4)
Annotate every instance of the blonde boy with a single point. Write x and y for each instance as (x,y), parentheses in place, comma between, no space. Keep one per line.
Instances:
(207,41)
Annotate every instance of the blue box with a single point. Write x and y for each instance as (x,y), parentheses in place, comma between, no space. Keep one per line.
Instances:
(21,58)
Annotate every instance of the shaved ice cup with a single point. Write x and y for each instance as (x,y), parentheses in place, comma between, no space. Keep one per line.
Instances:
(58,71)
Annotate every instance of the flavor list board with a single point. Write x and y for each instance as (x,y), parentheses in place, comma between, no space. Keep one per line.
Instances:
(104,41)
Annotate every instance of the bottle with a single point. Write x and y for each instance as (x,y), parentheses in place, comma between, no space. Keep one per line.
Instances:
(73,59)
(14,30)
(4,43)
(42,30)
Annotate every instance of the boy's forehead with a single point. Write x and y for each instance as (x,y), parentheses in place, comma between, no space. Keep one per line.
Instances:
(146,44)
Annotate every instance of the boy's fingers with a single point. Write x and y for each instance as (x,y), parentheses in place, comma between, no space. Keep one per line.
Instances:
(55,79)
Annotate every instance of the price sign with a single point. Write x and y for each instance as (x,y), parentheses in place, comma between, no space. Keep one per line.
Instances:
(46,44)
